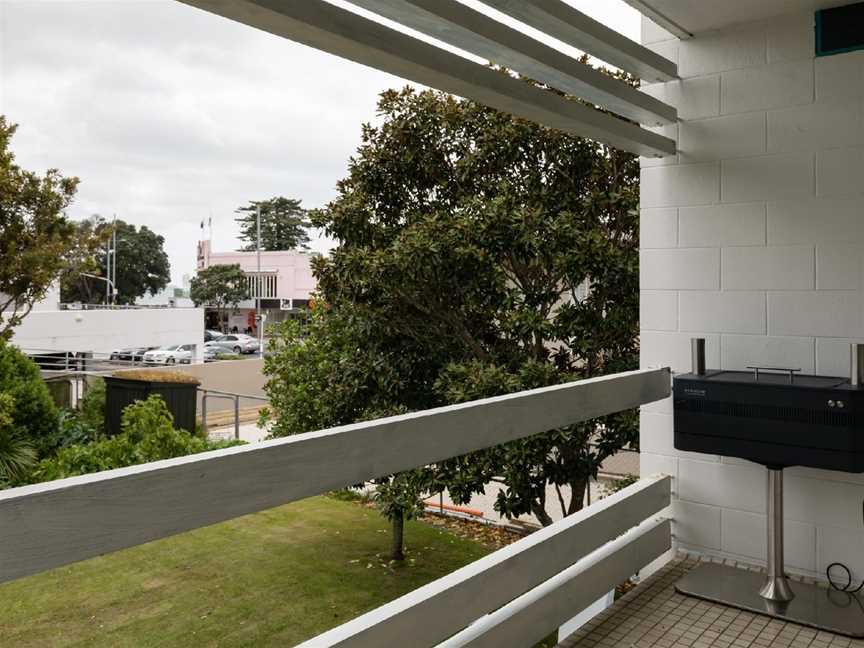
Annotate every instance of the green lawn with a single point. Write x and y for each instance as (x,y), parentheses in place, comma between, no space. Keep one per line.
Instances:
(273,578)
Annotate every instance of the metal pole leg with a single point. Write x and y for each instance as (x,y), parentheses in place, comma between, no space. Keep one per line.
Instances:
(776,586)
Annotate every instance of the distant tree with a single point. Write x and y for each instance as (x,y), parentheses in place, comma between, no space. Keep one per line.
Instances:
(220,287)
(36,238)
(284,224)
(142,263)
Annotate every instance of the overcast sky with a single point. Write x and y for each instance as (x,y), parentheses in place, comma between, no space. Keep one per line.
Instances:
(169,114)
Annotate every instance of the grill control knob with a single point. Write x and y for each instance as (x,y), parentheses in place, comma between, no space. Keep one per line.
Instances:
(841,404)
(831,403)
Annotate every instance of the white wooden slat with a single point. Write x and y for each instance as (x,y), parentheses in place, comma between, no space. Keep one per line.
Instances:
(343,33)
(457,24)
(562,21)
(531,617)
(436,611)
(54,523)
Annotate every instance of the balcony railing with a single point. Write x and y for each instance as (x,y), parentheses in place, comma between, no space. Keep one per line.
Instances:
(512,597)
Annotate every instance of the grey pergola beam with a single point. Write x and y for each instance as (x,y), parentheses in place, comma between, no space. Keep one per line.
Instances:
(323,26)
(561,21)
(660,18)
(457,24)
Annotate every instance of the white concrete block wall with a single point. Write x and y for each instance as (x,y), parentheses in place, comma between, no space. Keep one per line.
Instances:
(752,236)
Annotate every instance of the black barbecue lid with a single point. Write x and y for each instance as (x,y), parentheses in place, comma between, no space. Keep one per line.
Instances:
(769,378)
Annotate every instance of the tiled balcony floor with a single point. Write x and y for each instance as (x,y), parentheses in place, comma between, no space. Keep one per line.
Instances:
(654,615)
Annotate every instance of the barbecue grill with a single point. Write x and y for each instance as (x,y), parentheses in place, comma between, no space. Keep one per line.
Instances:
(779,418)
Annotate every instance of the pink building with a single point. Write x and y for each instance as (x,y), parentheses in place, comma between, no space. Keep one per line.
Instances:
(285,283)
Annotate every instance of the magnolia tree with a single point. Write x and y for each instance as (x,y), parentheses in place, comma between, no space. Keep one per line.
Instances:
(478,254)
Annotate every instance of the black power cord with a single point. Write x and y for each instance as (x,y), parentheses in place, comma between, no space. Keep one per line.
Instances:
(846,588)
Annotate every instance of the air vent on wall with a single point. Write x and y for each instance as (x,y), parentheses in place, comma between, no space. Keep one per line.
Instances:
(840,29)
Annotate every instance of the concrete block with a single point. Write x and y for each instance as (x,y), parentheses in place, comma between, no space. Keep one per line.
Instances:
(667,349)
(722,312)
(778,85)
(815,127)
(843,546)
(719,138)
(658,228)
(791,37)
(672,186)
(768,177)
(716,484)
(696,525)
(740,351)
(840,172)
(653,464)
(840,77)
(695,98)
(742,47)
(680,269)
(658,310)
(744,534)
(823,503)
(815,221)
(722,225)
(833,356)
(838,266)
(822,313)
(788,267)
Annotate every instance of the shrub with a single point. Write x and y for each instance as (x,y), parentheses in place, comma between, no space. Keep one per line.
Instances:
(34,415)
(147,435)
(17,456)
(91,408)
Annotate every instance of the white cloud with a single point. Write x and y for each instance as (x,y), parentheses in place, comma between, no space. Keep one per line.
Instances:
(168,113)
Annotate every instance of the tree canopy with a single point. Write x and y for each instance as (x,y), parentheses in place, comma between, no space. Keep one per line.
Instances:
(284,224)
(478,254)
(219,286)
(36,238)
(142,263)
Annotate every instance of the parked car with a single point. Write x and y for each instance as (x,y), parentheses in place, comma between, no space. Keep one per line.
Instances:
(170,354)
(215,348)
(238,343)
(210,334)
(135,354)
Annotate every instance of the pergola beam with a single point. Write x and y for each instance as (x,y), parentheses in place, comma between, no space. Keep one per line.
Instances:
(329,28)
(459,25)
(660,18)
(561,21)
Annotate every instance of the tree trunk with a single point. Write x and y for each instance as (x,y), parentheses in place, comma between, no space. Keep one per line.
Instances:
(541,514)
(577,495)
(398,522)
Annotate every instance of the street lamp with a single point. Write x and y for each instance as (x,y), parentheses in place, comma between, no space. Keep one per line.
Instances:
(258,284)
(109,285)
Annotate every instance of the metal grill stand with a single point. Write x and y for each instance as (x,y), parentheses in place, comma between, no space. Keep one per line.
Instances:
(772,594)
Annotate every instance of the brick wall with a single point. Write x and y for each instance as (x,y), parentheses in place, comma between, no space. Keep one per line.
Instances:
(752,237)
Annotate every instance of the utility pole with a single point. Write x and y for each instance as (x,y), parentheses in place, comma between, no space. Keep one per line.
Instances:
(114,264)
(258,313)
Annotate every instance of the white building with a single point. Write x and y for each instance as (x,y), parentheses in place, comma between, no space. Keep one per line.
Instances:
(48,327)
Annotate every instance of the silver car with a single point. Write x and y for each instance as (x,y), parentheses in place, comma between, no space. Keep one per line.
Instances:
(237,343)
(170,354)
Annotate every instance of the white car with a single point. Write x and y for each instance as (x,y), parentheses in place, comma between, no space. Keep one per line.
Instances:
(237,343)
(170,354)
